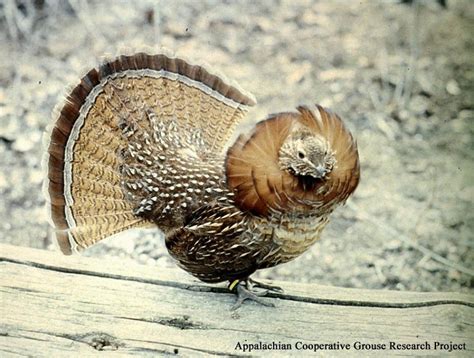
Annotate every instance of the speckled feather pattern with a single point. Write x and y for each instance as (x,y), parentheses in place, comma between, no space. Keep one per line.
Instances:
(140,143)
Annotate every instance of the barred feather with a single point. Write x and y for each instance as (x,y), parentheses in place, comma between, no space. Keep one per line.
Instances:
(92,144)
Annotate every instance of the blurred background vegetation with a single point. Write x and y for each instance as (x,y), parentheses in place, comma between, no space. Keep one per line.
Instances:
(400,75)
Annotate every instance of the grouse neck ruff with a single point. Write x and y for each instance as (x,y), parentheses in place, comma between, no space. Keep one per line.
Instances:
(140,142)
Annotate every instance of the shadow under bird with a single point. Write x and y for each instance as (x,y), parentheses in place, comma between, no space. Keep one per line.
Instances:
(142,142)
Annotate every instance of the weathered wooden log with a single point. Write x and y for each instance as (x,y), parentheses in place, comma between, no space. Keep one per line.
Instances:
(52,305)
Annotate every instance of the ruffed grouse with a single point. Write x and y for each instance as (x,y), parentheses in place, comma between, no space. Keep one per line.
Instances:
(141,142)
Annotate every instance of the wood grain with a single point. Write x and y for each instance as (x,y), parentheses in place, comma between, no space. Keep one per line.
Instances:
(53,305)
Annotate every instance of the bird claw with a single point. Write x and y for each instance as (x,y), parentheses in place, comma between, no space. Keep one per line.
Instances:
(265,286)
(244,291)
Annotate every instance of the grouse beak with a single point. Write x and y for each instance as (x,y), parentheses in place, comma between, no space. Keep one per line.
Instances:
(321,171)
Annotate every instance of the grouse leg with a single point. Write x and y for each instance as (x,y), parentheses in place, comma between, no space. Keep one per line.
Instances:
(243,289)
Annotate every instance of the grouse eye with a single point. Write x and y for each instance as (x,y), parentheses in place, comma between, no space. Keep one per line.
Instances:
(301,155)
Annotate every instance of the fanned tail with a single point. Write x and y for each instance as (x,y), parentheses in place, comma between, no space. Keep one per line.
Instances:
(99,141)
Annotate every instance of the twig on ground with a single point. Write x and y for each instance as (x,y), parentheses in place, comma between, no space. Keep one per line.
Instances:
(414,53)
(428,205)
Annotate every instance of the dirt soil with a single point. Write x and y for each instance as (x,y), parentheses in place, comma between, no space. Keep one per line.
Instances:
(402,78)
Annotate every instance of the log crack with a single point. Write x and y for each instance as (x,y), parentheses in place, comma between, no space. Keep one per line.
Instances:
(203,288)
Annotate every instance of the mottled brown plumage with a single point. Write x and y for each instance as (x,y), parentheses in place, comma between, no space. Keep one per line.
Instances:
(141,142)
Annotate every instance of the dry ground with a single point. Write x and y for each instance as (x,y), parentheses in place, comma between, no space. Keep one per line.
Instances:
(401,77)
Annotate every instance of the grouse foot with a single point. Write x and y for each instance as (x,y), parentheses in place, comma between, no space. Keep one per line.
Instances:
(265,286)
(244,291)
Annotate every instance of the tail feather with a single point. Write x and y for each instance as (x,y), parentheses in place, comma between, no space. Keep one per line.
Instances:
(86,207)
(113,220)
(94,187)
(81,237)
(96,148)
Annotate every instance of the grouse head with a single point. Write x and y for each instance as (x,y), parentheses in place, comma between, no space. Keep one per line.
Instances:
(306,154)
(293,162)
